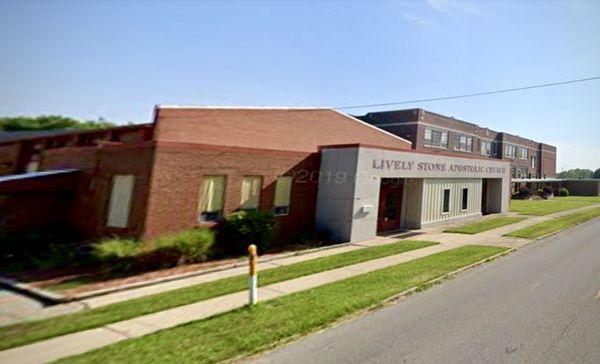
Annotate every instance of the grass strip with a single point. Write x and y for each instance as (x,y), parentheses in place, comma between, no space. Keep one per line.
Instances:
(26,333)
(554,225)
(594,199)
(485,225)
(546,207)
(249,330)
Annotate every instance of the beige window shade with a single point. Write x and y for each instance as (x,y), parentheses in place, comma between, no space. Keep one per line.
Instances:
(250,193)
(283,190)
(119,204)
(211,195)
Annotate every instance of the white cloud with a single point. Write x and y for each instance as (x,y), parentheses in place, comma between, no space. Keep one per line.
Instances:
(454,7)
(416,19)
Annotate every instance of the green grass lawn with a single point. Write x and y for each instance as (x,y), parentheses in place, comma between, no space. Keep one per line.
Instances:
(250,330)
(546,207)
(485,225)
(557,224)
(25,333)
(595,199)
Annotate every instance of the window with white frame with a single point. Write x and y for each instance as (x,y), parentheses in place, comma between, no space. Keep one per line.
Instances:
(210,204)
(251,186)
(436,138)
(533,162)
(463,143)
(464,205)
(119,204)
(486,147)
(283,190)
(446,201)
(523,153)
(510,151)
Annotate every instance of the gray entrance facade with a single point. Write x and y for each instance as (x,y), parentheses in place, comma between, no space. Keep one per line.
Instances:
(434,190)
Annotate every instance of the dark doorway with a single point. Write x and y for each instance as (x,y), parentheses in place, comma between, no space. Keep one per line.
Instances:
(484,196)
(390,204)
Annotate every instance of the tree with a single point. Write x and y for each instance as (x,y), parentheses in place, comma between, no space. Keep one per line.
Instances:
(576,173)
(50,122)
(596,174)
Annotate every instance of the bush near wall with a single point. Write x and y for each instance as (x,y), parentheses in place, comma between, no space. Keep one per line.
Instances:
(523,194)
(189,246)
(243,228)
(563,192)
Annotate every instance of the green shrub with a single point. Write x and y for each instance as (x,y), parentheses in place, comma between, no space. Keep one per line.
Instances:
(115,249)
(563,192)
(192,246)
(243,228)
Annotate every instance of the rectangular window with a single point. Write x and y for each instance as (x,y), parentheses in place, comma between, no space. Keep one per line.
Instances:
(522,172)
(486,147)
(463,143)
(283,190)
(446,202)
(210,206)
(513,172)
(251,186)
(533,162)
(523,153)
(494,148)
(465,199)
(510,151)
(436,138)
(119,204)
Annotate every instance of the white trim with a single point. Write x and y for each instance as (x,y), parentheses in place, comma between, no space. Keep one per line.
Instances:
(239,107)
(13,177)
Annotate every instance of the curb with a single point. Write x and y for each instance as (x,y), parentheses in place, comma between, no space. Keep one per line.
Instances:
(565,229)
(102,292)
(389,300)
(46,297)
(439,279)
(558,231)
(176,277)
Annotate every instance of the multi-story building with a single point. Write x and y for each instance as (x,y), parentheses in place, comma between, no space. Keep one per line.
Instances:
(193,166)
(435,133)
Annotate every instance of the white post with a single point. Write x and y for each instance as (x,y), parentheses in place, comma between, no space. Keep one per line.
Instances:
(253,283)
(252,275)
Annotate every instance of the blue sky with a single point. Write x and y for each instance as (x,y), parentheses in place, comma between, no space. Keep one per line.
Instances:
(116,60)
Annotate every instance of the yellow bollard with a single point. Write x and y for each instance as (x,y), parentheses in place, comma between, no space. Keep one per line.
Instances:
(252,275)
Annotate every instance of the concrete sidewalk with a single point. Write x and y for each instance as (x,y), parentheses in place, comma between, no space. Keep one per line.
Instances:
(491,237)
(80,342)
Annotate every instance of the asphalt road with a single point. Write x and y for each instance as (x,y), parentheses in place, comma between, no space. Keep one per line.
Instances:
(540,304)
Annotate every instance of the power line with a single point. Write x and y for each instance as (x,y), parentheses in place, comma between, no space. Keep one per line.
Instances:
(468,95)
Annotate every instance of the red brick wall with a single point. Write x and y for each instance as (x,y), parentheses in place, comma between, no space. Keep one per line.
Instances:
(89,210)
(9,154)
(300,130)
(177,179)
